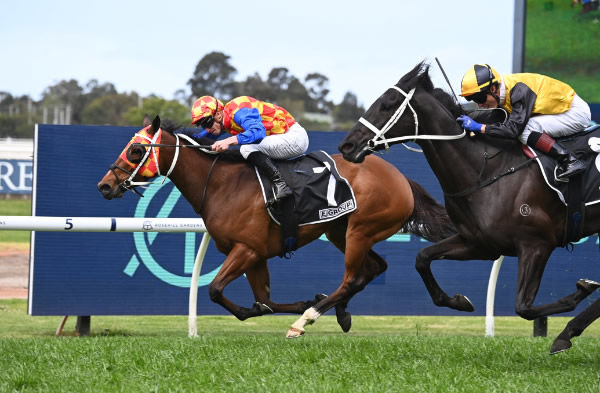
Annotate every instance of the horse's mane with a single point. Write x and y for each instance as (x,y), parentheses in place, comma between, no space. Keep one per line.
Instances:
(419,76)
(231,155)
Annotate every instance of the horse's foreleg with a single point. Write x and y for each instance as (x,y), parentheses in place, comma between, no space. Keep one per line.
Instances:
(360,270)
(258,278)
(532,263)
(453,248)
(575,327)
(374,265)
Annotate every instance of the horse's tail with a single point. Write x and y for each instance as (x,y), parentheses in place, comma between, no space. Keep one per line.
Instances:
(429,219)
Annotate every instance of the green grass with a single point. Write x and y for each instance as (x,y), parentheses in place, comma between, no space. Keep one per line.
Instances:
(379,354)
(563,43)
(15,207)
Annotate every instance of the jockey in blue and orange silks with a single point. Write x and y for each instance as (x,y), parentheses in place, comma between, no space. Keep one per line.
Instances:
(263,130)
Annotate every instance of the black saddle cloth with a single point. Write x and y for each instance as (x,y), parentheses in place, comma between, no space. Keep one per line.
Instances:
(585,146)
(320,193)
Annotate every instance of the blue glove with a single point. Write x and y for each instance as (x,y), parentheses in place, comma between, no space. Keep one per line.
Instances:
(469,124)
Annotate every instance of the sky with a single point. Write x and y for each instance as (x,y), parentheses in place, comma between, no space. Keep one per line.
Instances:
(153,47)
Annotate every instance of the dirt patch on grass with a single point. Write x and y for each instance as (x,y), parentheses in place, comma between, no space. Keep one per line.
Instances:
(14,270)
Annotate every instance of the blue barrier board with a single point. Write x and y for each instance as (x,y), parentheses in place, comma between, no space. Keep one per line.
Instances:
(149,273)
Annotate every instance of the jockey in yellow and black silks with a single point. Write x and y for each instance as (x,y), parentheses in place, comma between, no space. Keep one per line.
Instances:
(540,109)
(263,131)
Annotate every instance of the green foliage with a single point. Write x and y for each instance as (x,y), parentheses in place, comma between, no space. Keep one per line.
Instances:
(213,76)
(563,43)
(379,354)
(109,109)
(154,106)
(67,102)
(347,113)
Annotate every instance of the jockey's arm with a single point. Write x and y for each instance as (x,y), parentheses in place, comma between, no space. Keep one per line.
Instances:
(522,100)
(251,122)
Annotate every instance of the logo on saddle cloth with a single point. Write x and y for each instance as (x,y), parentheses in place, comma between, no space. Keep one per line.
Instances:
(320,192)
(586,147)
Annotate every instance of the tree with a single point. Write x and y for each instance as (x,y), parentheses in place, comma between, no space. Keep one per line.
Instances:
(109,109)
(65,93)
(278,81)
(317,86)
(254,86)
(213,76)
(172,110)
(347,112)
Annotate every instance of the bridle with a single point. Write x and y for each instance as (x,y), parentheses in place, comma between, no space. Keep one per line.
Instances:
(129,184)
(379,138)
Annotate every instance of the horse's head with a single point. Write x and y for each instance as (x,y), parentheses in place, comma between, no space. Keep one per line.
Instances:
(135,165)
(385,123)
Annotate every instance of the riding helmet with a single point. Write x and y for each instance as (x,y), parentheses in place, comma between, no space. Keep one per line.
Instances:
(478,79)
(205,106)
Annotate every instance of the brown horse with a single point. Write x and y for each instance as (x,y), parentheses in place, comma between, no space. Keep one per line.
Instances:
(242,229)
(497,199)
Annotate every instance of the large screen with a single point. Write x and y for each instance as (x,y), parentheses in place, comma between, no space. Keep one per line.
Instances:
(561,39)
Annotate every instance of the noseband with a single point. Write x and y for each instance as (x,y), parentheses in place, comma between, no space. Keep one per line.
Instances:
(379,138)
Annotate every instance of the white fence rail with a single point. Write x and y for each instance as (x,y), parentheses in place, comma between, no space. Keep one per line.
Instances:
(122,224)
(134,224)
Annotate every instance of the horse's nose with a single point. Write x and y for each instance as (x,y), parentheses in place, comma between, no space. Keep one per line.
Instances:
(105,190)
(346,148)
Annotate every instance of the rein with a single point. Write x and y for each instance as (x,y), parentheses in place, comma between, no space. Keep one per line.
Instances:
(379,139)
(212,166)
(492,179)
(196,146)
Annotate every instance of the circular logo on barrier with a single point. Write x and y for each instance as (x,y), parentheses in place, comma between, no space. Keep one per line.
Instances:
(144,241)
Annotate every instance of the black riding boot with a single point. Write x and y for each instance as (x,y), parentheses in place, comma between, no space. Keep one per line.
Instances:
(569,165)
(266,167)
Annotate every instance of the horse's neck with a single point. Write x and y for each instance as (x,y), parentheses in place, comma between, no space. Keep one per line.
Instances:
(463,163)
(207,181)
(190,175)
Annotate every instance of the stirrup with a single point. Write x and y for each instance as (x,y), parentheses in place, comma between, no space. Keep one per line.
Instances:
(573,168)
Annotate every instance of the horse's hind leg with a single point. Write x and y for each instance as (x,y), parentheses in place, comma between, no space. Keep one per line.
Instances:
(532,262)
(258,278)
(575,327)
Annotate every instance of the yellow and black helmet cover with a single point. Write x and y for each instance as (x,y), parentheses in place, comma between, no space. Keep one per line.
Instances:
(478,79)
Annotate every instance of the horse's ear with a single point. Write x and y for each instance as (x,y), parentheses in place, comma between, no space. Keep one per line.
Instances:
(146,122)
(155,125)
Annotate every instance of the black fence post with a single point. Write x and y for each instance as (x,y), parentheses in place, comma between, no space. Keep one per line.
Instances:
(83,325)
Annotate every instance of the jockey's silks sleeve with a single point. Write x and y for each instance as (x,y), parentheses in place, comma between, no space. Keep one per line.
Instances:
(523,100)
(198,134)
(250,121)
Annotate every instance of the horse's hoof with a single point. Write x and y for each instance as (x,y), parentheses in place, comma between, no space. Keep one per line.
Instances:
(462,303)
(587,285)
(560,345)
(345,322)
(294,333)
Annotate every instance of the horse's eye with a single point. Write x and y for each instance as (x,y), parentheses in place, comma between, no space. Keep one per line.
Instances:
(135,153)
